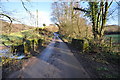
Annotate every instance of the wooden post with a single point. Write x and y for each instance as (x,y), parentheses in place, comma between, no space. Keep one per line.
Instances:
(27,47)
(36,45)
(110,42)
(12,49)
(39,43)
(32,45)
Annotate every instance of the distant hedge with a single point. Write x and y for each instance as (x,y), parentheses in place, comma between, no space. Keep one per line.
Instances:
(108,33)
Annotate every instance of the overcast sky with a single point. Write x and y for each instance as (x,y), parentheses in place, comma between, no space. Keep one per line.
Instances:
(15,9)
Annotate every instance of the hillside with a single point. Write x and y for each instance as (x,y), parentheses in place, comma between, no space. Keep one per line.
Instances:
(109,29)
(51,28)
(112,29)
(19,32)
(4,27)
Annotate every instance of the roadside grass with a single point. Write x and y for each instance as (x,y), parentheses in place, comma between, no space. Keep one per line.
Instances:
(11,65)
(16,38)
(102,69)
(103,64)
(115,38)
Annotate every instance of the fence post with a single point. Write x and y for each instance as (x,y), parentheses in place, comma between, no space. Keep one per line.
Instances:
(27,47)
(32,46)
(39,42)
(110,42)
(12,49)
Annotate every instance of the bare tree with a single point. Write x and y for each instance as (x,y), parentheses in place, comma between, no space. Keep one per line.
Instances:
(97,12)
(4,14)
(67,19)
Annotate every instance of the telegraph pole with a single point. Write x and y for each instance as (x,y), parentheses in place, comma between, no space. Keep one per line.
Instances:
(37,18)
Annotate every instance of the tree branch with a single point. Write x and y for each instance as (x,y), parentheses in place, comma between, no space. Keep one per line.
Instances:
(8,18)
(23,4)
(118,3)
(110,3)
(80,9)
(112,12)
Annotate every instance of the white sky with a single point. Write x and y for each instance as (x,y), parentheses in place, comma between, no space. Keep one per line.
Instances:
(44,11)
(17,11)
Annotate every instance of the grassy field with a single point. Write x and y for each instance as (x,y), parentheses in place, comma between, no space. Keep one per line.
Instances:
(115,38)
(10,65)
(17,37)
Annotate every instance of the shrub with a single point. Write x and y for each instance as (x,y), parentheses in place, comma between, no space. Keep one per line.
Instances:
(78,43)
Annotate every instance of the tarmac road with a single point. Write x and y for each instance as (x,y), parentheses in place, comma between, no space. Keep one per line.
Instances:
(56,61)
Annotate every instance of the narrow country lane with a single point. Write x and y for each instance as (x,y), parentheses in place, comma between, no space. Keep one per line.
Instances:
(56,61)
